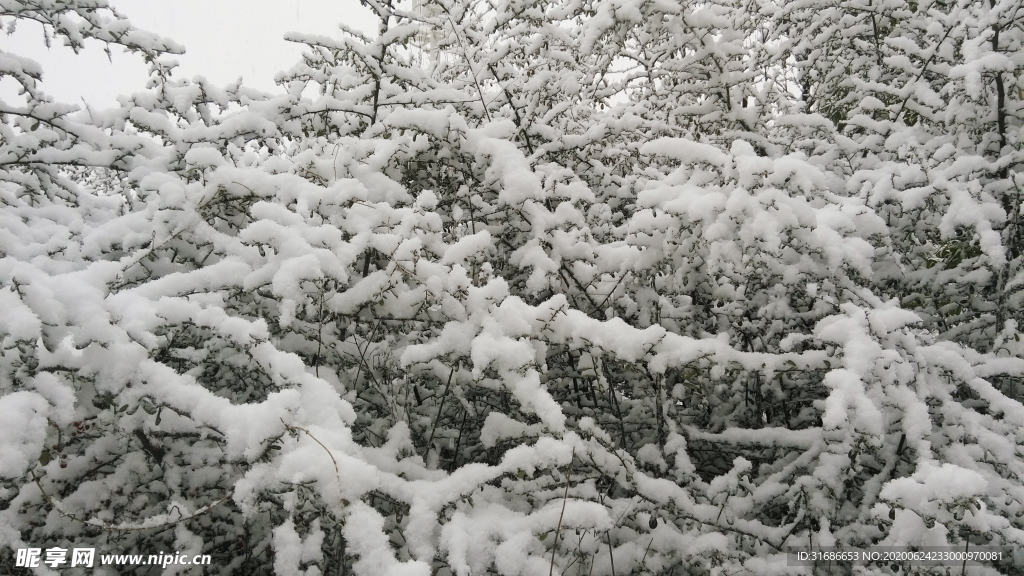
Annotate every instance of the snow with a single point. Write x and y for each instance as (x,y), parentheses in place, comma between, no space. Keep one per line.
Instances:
(17,320)
(204,157)
(363,532)
(291,550)
(23,429)
(500,427)
(467,246)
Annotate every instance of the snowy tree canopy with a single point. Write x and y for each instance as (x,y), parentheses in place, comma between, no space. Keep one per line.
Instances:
(524,287)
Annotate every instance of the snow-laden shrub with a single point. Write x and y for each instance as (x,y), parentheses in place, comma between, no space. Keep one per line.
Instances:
(579,287)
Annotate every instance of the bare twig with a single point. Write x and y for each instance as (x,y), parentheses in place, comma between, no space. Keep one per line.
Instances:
(437,417)
(611,554)
(336,470)
(644,559)
(472,72)
(565,496)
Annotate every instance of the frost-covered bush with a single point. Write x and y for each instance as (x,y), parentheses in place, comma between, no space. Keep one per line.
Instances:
(591,287)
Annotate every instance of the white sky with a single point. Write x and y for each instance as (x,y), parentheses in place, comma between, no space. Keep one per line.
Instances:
(224,39)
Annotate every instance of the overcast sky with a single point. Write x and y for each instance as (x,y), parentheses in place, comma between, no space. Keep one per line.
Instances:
(224,39)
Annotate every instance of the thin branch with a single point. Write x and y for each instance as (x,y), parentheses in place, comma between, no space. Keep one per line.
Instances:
(565,496)
(126,527)
(440,408)
(337,471)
